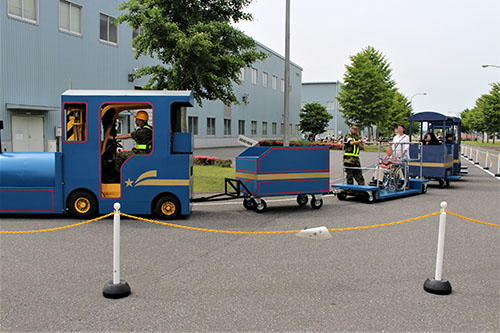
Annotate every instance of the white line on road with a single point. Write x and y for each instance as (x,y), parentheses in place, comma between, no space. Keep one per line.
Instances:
(480,167)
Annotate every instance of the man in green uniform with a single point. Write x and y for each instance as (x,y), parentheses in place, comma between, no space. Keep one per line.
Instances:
(142,137)
(352,144)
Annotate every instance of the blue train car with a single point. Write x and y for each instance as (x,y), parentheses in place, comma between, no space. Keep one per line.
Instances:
(81,179)
(440,161)
(276,171)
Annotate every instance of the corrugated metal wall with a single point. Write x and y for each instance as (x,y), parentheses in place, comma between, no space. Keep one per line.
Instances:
(38,62)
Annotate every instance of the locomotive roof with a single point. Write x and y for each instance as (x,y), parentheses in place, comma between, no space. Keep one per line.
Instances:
(100,92)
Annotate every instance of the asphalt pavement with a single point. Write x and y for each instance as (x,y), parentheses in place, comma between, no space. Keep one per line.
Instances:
(182,280)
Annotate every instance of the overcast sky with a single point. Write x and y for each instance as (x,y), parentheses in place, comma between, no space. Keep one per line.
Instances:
(434,46)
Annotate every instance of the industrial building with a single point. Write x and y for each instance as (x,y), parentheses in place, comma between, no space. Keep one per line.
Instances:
(325,93)
(47,47)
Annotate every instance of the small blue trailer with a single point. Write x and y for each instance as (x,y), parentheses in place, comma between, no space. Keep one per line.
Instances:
(279,171)
(82,179)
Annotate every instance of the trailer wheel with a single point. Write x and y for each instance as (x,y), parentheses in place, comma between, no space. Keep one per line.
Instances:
(424,188)
(82,205)
(441,183)
(342,196)
(249,203)
(302,199)
(447,183)
(168,207)
(260,207)
(371,196)
(316,204)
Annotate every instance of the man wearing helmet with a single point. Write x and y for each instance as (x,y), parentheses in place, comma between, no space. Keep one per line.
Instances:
(142,136)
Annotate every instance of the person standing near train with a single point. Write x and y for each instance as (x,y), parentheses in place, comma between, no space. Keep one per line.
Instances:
(352,164)
(399,143)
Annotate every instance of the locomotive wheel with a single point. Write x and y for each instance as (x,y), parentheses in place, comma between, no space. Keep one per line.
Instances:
(249,203)
(302,199)
(316,204)
(260,207)
(82,205)
(342,195)
(168,207)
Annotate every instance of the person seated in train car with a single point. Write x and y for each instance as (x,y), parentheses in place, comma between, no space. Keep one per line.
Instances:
(430,139)
(439,136)
(449,139)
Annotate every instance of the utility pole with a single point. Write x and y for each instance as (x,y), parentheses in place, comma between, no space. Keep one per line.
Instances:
(286,120)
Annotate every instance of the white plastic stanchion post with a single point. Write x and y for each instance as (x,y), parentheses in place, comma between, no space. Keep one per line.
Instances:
(486,161)
(471,154)
(116,244)
(498,166)
(116,288)
(476,161)
(438,285)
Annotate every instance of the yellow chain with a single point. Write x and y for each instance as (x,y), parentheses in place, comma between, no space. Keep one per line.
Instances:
(473,220)
(58,228)
(273,232)
(244,232)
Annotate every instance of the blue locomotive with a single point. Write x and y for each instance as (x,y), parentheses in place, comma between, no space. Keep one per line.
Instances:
(82,179)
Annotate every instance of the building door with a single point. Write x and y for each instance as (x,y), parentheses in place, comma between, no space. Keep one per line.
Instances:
(27,133)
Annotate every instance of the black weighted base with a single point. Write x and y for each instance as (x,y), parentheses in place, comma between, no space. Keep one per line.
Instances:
(115,291)
(438,287)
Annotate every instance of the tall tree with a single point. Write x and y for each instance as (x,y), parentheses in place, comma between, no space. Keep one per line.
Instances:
(314,118)
(399,113)
(369,89)
(196,42)
(488,105)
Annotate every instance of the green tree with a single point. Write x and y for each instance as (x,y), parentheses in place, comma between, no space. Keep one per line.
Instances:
(314,118)
(488,107)
(369,89)
(399,113)
(196,42)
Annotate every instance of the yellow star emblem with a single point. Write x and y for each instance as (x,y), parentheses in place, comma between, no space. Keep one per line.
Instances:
(129,182)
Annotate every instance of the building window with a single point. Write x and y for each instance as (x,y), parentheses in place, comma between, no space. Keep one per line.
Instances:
(330,105)
(290,132)
(193,125)
(241,127)
(25,10)
(255,72)
(254,127)
(108,31)
(210,126)
(242,74)
(282,129)
(227,126)
(275,128)
(75,122)
(297,129)
(264,79)
(275,82)
(70,17)
(264,128)
(135,33)
(282,85)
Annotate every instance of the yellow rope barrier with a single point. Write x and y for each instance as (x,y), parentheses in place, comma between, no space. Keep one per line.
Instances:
(244,232)
(58,228)
(274,232)
(472,220)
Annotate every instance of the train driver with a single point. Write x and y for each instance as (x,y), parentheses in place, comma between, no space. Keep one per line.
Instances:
(142,136)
